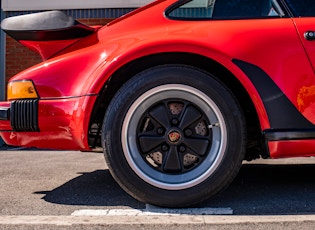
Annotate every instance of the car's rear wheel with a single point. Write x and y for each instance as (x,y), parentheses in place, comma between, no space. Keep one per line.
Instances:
(173,136)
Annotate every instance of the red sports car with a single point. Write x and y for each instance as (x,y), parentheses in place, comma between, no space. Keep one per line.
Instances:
(177,93)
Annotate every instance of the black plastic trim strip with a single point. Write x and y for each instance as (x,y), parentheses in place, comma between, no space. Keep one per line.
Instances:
(49,35)
(24,115)
(289,134)
(281,112)
(5,114)
(287,8)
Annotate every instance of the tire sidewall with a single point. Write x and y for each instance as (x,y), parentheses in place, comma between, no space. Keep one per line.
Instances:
(130,92)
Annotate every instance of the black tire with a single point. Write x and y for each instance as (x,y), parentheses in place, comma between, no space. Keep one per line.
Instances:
(174,136)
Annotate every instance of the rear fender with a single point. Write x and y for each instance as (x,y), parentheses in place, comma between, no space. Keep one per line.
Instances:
(141,51)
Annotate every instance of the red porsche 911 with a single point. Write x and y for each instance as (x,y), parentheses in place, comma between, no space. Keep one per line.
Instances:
(177,93)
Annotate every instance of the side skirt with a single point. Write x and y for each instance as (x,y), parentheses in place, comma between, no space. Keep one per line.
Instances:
(290,143)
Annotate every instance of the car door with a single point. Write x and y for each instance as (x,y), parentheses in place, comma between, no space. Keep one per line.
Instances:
(304,18)
(260,33)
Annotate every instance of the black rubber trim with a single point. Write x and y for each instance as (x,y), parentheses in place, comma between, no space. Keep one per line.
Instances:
(281,112)
(63,34)
(289,134)
(4,114)
(45,26)
(24,115)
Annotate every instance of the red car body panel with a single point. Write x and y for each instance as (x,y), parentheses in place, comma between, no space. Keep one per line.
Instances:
(294,148)
(47,49)
(303,25)
(67,95)
(71,115)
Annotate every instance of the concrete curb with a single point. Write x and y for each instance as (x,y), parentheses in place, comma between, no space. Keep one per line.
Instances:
(157,220)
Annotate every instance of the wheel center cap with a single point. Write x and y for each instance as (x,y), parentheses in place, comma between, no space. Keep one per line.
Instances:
(174,136)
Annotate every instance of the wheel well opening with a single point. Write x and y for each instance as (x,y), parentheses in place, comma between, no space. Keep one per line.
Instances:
(254,139)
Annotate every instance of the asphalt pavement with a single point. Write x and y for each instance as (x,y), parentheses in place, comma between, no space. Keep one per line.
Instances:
(74,190)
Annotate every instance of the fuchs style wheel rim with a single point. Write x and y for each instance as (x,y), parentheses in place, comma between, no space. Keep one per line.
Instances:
(174,137)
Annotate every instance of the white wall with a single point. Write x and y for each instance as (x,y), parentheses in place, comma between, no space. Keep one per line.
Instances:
(23,5)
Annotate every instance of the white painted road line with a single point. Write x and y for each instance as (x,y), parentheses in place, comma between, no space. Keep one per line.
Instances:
(188,211)
(153,211)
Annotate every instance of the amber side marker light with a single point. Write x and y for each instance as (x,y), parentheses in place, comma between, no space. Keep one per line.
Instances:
(21,90)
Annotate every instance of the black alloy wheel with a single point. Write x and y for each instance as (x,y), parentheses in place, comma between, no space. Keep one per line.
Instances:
(174,136)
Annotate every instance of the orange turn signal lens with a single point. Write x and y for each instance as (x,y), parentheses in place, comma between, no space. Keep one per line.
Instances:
(21,90)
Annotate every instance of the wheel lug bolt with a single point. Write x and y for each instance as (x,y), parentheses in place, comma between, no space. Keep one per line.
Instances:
(188,132)
(175,121)
(160,131)
(164,147)
(182,149)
